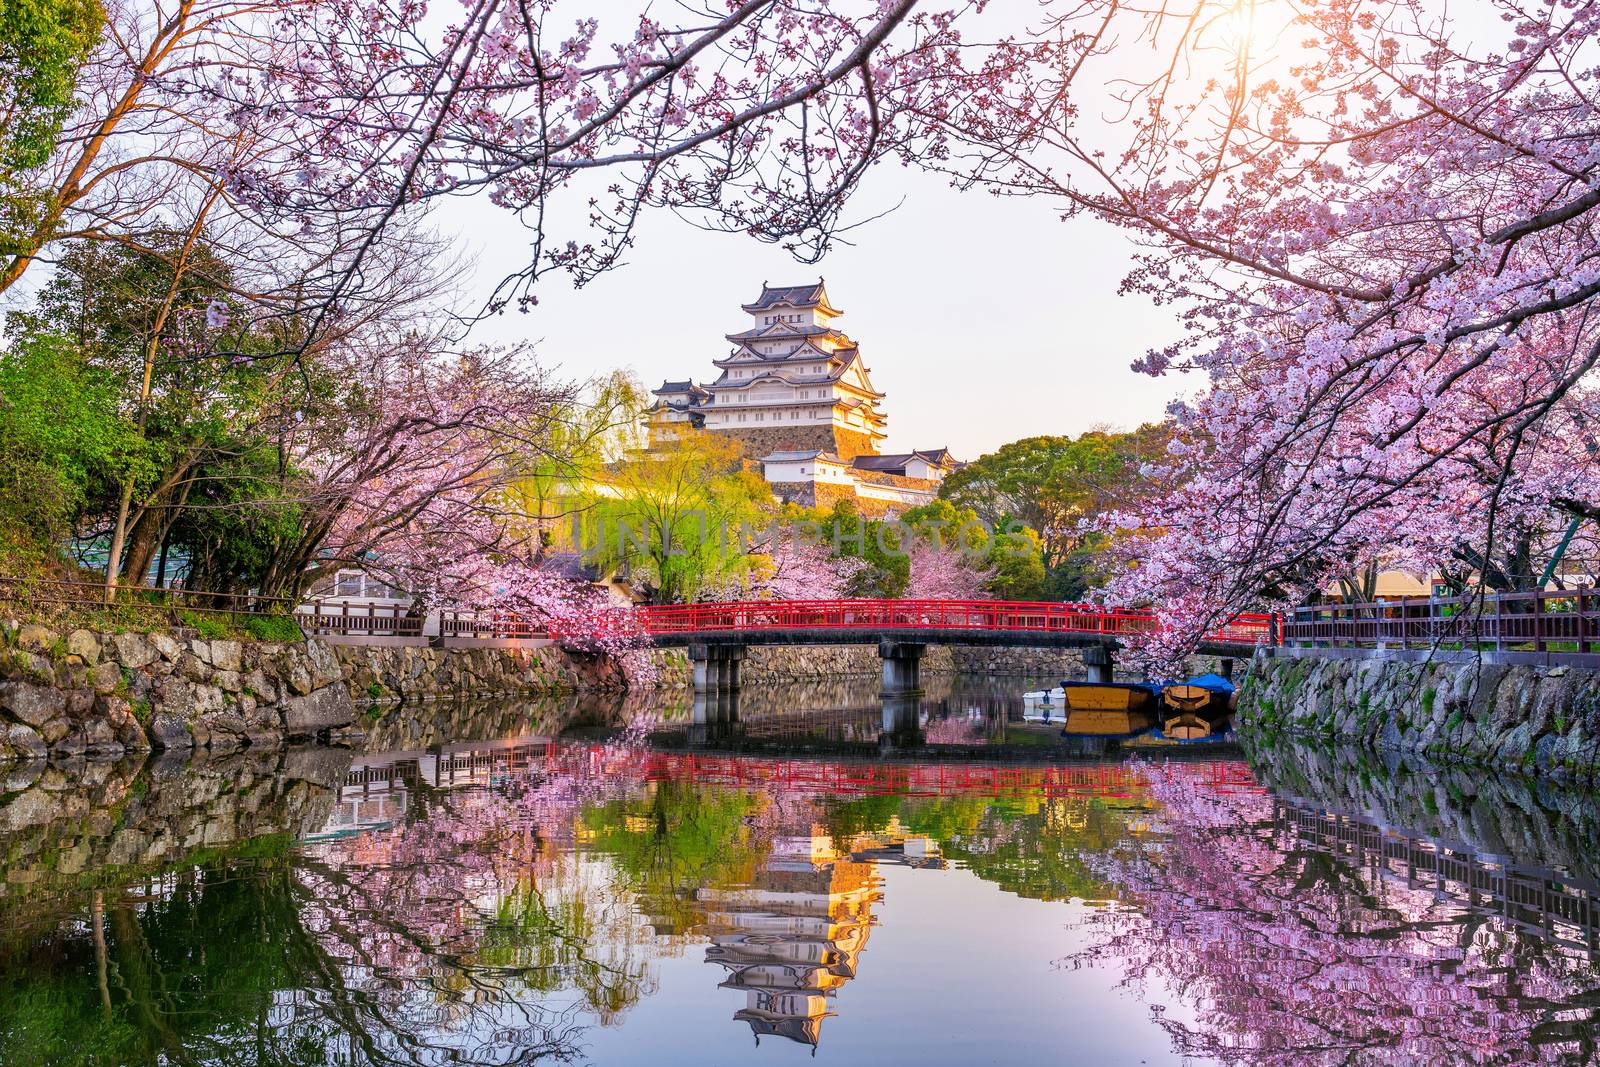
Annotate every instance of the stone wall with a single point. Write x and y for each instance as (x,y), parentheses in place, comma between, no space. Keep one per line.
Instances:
(84,693)
(77,693)
(382,672)
(1538,821)
(759,441)
(772,663)
(824,495)
(1056,663)
(1538,719)
(785,662)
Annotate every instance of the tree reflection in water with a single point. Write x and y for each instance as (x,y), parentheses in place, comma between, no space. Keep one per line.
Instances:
(1294,948)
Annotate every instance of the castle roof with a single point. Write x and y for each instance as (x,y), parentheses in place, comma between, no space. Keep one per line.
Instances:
(849,355)
(796,296)
(774,330)
(895,463)
(674,388)
(800,351)
(795,457)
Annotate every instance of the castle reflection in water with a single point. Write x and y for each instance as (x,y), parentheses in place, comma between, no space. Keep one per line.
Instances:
(793,938)
(789,939)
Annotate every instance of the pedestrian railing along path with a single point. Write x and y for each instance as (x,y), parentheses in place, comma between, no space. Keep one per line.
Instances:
(1545,621)
(89,603)
(355,619)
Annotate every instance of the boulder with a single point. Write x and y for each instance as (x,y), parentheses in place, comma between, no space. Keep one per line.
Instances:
(105,677)
(134,650)
(23,741)
(84,645)
(225,655)
(36,637)
(169,731)
(315,712)
(33,704)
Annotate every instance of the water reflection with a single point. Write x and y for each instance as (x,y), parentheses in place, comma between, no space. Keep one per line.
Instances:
(953,717)
(568,882)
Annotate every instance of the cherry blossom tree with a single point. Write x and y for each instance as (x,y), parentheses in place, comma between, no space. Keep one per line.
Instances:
(942,572)
(1377,227)
(759,116)
(791,566)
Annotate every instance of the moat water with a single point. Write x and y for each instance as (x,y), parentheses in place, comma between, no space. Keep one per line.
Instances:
(807,876)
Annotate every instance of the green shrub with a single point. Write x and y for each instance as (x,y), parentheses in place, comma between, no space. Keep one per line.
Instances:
(209,627)
(273,628)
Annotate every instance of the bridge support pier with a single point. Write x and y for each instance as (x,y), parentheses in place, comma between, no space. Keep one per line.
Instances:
(902,665)
(715,667)
(1097,664)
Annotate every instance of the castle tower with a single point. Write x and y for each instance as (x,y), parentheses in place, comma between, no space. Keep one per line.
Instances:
(794,382)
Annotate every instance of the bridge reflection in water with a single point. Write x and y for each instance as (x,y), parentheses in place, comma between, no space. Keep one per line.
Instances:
(951,718)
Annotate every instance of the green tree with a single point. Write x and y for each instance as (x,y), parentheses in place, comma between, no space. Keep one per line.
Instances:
(63,437)
(148,328)
(585,435)
(1050,485)
(236,517)
(852,534)
(43,44)
(671,518)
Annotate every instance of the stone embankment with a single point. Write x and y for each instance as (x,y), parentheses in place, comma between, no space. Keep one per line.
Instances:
(387,672)
(1451,708)
(782,663)
(81,693)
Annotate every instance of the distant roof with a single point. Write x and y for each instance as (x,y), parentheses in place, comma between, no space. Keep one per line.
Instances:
(569,565)
(687,386)
(798,296)
(791,456)
(891,463)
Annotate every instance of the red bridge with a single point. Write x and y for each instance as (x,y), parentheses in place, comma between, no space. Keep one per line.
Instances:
(717,634)
(992,622)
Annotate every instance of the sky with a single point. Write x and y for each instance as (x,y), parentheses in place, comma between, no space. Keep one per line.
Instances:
(984,320)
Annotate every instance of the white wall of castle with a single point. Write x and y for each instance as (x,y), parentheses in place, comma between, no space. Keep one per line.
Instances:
(809,470)
(895,493)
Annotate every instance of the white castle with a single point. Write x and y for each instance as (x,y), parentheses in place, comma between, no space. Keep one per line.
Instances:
(797,393)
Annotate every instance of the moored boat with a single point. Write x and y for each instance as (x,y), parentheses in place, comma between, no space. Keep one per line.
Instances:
(1109,709)
(1196,708)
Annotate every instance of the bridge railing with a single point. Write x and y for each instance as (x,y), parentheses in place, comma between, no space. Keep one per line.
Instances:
(1540,621)
(992,615)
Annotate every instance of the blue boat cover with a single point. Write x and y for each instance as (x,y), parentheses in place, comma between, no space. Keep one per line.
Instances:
(1214,682)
